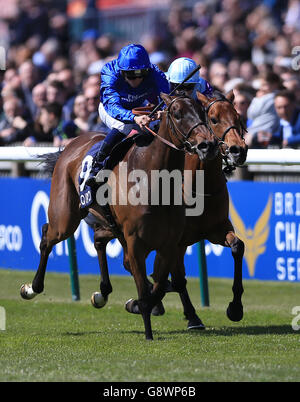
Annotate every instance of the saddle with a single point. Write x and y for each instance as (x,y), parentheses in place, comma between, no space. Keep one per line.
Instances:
(86,193)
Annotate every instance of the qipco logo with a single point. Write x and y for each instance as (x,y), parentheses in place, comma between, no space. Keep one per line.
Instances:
(2,58)
(11,238)
(296,59)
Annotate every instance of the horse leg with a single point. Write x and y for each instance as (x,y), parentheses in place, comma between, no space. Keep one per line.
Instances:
(194,322)
(64,218)
(178,276)
(235,308)
(99,299)
(137,261)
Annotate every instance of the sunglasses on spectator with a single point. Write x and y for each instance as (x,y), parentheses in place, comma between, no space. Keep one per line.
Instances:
(183,87)
(134,74)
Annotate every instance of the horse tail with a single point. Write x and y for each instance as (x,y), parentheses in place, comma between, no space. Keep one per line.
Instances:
(49,161)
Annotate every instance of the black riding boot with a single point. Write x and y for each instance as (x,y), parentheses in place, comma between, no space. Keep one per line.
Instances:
(111,139)
(102,153)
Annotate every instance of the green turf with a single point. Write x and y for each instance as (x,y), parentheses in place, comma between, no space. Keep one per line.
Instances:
(52,338)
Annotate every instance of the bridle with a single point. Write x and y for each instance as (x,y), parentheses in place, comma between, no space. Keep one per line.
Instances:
(180,136)
(221,141)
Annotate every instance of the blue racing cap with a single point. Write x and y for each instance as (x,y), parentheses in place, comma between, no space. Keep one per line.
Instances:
(133,57)
(180,68)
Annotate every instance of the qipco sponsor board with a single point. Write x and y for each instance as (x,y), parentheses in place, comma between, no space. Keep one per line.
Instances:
(266,216)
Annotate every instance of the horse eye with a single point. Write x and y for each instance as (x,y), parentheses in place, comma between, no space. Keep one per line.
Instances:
(213,120)
(177,115)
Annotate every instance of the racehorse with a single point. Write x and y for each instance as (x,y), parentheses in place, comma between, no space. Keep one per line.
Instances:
(140,228)
(214,223)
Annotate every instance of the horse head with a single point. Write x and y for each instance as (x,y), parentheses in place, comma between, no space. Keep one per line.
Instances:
(186,130)
(227,126)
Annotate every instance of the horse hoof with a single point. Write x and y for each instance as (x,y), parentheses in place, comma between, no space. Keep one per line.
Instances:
(132,307)
(26,292)
(235,312)
(158,309)
(97,300)
(195,323)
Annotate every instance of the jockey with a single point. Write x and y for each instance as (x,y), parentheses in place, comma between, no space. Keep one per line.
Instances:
(181,68)
(127,82)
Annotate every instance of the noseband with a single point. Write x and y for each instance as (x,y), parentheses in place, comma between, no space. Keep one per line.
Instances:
(221,141)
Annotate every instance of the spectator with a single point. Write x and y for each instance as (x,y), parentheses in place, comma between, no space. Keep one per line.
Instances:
(80,113)
(49,127)
(39,98)
(241,103)
(57,93)
(288,133)
(248,71)
(91,80)
(261,112)
(234,37)
(218,75)
(46,55)
(292,83)
(66,77)
(92,97)
(29,78)
(13,127)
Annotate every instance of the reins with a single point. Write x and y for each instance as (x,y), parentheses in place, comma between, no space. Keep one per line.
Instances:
(186,144)
(144,110)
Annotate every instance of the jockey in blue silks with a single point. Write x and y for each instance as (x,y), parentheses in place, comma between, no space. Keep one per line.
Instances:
(179,69)
(127,82)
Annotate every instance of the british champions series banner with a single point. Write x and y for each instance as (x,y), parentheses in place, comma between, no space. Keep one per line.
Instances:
(266,216)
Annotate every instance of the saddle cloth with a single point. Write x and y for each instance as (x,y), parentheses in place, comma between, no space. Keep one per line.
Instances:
(88,195)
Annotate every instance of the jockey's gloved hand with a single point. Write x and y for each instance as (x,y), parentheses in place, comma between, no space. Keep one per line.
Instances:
(142,121)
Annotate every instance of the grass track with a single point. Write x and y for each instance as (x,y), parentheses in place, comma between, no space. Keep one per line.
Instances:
(51,338)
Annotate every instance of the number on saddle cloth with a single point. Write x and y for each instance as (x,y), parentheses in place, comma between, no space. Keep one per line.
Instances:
(87,168)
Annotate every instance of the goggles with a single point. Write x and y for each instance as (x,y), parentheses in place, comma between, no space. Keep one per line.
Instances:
(133,74)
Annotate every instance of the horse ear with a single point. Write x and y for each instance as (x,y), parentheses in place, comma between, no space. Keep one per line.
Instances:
(230,96)
(166,98)
(202,98)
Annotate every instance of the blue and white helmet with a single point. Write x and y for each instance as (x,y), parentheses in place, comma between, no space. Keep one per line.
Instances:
(180,68)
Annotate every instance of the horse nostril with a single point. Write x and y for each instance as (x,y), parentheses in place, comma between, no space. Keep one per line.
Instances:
(235,150)
(203,146)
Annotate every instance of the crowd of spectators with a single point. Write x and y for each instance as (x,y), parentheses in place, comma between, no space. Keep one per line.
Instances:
(50,88)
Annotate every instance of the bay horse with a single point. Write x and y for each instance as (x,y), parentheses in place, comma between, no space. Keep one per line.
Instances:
(214,223)
(140,228)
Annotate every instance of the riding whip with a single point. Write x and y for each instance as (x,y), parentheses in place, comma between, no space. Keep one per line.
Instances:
(175,89)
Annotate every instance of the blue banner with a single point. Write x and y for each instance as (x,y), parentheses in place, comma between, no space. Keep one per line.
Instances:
(266,216)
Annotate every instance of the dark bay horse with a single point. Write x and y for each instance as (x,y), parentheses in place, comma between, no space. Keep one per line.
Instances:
(214,223)
(141,228)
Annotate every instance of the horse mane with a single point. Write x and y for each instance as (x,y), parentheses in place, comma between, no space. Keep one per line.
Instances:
(49,161)
(218,94)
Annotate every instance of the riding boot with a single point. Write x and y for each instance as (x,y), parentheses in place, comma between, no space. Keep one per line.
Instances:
(111,140)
